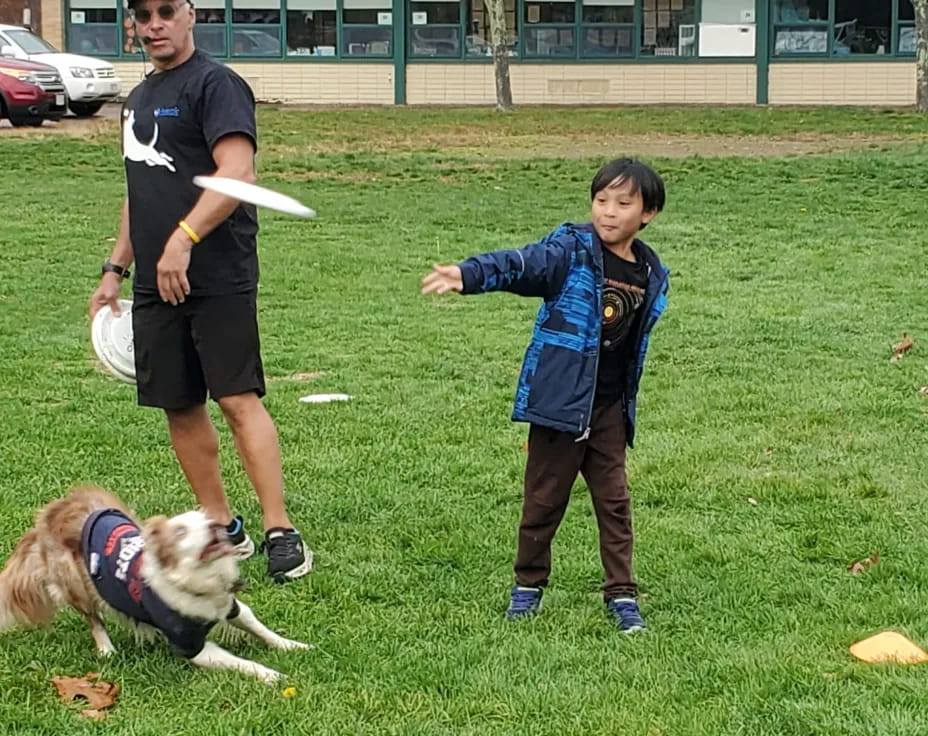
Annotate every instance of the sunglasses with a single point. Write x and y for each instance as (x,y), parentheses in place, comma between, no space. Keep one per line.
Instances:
(165,12)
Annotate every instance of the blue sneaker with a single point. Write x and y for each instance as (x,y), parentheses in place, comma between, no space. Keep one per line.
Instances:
(523,602)
(625,614)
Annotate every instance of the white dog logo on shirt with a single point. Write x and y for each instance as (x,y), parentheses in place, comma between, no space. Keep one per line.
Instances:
(134,150)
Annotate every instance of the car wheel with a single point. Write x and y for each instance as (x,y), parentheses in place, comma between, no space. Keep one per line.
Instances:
(85,109)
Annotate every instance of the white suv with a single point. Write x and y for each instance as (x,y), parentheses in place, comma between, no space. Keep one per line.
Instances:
(90,82)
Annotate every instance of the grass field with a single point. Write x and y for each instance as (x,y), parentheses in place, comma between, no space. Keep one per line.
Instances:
(768,379)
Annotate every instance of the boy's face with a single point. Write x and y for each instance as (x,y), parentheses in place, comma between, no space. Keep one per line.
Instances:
(618,214)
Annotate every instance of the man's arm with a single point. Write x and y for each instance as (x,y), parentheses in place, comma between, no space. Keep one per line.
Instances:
(110,282)
(235,158)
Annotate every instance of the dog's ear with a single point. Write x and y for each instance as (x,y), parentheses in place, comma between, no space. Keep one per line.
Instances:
(158,541)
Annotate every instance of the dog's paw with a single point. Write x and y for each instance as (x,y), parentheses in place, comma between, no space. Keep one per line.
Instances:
(106,651)
(269,676)
(289,645)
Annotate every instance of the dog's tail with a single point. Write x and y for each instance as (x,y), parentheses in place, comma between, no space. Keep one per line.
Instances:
(25,597)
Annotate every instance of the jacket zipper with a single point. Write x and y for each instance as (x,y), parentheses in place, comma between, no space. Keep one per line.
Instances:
(585,432)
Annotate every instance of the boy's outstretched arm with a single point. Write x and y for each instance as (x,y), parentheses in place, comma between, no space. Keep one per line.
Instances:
(535,270)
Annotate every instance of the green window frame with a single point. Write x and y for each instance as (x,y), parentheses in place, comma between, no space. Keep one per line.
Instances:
(796,34)
(94,28)
(366,29)
(435,29)
(349,29)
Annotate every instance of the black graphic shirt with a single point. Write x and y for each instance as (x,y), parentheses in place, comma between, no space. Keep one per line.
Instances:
(113,549)
(170,123)
(624,287)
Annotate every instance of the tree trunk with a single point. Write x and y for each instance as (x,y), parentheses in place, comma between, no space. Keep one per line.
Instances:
(498,39)
(921,54)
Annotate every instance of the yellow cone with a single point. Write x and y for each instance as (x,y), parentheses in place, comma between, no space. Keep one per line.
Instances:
(889,646)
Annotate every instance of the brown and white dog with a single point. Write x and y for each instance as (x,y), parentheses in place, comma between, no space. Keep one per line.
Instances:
(175,576)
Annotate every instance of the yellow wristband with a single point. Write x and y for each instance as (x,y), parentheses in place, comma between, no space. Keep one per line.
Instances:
(189,230)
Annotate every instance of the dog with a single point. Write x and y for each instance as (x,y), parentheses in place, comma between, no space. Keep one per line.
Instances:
(174,576)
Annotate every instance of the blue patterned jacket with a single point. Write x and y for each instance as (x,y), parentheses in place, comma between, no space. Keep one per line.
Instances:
(558,381)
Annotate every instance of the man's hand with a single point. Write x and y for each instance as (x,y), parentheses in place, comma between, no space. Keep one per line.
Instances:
(173,285)
(107,293)
(443,279)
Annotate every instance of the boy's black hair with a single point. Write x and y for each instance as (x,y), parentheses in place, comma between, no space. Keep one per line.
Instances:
(643,179)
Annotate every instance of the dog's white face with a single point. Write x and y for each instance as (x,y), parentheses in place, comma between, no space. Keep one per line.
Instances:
(187,541)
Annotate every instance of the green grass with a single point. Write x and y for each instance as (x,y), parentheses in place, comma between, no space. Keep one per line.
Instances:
(769,378)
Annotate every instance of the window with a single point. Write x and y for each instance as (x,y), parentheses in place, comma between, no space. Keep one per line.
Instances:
(862,27)
(435,29)
(856,28)
(668,27)
(312,29)
(256,28)
(608,28)
(93,28)
(367,28)
(209,33)
(905,39)
(477,20)
(549,29)
(800,27)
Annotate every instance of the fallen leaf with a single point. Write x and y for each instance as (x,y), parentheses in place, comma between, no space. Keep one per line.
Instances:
(110,239)
(752,501)
(899,348)
(923,390)
(858,567)
(768,451)
(99,695)
(225,704)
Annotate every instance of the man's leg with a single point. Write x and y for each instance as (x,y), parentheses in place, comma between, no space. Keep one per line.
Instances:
(196,446)
(256,441)
(225,331)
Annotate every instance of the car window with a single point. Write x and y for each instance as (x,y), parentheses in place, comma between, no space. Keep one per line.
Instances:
(30,43)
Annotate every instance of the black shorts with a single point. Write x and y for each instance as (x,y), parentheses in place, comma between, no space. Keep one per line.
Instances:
(207,344)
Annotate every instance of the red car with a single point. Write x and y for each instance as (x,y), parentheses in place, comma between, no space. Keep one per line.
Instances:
(30,93)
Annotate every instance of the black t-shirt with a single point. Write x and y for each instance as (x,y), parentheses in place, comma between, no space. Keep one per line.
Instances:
(624,285)
(170,123)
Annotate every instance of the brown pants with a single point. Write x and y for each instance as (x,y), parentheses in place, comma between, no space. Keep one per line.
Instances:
(554,459)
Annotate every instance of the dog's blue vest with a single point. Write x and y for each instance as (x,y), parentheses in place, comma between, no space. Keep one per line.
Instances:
(113,548)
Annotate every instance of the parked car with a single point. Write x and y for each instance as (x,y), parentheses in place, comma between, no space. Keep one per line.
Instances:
(30,92)
(89,82)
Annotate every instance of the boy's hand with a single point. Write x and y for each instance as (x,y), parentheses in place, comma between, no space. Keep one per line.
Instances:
(443,279)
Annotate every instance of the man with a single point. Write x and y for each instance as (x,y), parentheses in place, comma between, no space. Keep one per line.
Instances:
(194,314)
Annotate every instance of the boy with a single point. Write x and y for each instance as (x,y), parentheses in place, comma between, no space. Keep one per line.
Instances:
(603,290)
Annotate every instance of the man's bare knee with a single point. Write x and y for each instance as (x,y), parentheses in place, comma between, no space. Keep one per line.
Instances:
(238,408)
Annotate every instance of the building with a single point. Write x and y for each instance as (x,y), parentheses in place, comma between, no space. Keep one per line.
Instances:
(561,51)
(21,12)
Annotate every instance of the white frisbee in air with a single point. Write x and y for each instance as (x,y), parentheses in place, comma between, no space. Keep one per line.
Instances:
(253,194)
(113,341)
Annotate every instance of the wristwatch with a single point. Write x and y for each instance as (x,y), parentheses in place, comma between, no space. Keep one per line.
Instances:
(118,270)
